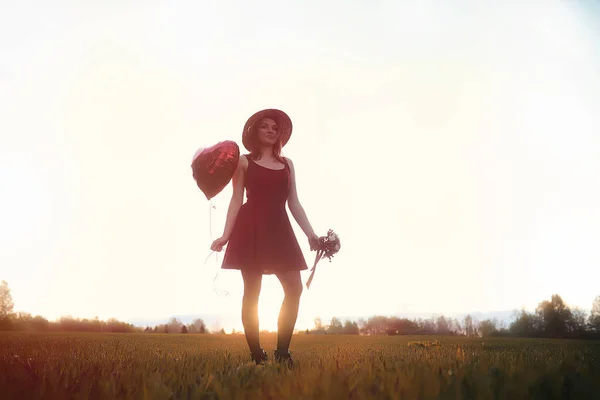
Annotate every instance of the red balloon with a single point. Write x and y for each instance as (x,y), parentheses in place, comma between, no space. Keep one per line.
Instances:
(213,167)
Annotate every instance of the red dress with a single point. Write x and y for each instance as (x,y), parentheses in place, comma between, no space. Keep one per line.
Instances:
(262,239)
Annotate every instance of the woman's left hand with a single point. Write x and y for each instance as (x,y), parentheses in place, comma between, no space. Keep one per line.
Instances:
(313,241)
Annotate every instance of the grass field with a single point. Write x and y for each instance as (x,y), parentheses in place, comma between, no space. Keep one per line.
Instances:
(177,366)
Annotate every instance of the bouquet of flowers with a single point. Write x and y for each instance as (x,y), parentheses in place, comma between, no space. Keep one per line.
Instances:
(328,246)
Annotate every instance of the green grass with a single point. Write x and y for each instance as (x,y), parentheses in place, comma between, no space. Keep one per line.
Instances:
(175,366)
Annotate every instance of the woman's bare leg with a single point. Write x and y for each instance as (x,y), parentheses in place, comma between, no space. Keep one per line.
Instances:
(292,287)
(252,286)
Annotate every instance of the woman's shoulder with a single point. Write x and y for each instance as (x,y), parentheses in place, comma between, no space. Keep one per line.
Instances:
(289,162)
(243,161)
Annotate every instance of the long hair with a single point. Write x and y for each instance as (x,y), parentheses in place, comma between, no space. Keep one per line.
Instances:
(255,152)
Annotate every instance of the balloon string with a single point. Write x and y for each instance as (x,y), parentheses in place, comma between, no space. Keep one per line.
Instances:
(209,254)
(210,208)
(215,289)
(210,211)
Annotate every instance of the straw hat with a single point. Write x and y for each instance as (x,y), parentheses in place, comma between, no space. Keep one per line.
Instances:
(284,124)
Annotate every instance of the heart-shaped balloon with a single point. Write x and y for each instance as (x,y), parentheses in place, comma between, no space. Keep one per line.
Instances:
(214,166)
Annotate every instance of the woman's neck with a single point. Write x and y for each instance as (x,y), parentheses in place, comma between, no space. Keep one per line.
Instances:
(267,153)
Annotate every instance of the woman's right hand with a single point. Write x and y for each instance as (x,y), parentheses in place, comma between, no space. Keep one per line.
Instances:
(217,244)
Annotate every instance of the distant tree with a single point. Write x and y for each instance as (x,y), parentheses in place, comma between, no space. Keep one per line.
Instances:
(362,326)
(401,326)
(577,323)
(318,324)
(39,324)
(393,326)
(427,326)
(468,326)
(377,325)
(455,326)
(22,321)
(594,318)
(525,324)
(554,316)
(6,306)
(96,324)
(335,326)
(488,327)
(319,327)
(184,329)
(199,326)
(350,328)
(443,326)
(175,325)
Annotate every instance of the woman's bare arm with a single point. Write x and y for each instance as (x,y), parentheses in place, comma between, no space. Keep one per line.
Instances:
(296,208)
(237,198)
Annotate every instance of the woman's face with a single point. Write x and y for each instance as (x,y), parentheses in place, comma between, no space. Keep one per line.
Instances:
(267,132)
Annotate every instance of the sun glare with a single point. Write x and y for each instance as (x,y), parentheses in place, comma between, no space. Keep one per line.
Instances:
(269,304)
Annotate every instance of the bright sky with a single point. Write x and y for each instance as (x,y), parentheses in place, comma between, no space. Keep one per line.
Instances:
(453,146)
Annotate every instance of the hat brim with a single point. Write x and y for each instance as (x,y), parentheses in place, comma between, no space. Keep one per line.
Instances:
(284,124)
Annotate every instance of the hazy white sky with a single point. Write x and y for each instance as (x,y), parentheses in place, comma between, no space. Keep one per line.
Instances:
(454,147)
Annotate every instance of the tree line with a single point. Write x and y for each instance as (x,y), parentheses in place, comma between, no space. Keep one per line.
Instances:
(551,319)
(25,322)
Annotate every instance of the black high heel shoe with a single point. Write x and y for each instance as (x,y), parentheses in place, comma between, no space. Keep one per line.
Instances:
(259,358)
(285,358)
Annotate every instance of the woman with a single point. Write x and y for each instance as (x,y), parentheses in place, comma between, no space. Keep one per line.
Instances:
(259,232)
